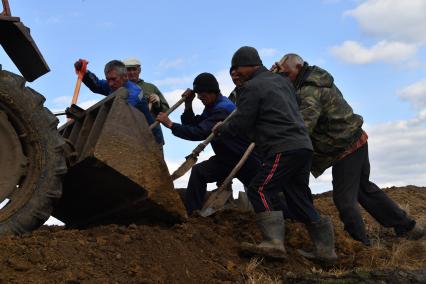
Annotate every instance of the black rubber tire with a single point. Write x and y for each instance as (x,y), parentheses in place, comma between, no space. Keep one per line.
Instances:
(31,203)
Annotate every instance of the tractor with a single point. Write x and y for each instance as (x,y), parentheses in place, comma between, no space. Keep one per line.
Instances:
(101,167)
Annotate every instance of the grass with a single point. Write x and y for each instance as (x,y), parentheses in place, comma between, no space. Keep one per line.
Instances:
(255,274)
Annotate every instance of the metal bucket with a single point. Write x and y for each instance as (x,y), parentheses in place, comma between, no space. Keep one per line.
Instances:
(117,173)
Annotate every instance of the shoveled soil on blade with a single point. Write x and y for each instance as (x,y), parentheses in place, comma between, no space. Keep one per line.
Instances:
(205,250)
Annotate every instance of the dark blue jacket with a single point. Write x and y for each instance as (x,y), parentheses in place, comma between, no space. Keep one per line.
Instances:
(199,127)
(135,98)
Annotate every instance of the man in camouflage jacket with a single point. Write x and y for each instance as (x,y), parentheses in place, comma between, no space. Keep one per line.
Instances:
(340,142)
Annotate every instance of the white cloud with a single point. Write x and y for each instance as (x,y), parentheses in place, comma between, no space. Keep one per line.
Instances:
(267,52)
(169,64)
(400,27)
(175,82)
(397,153)
(87,104)
(225,83)
(387,51)
(64,100)
(182,182)
(173,96)
(415,94)
(393,19)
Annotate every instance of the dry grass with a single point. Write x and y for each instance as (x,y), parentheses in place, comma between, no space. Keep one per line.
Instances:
(255,274)
(335,271)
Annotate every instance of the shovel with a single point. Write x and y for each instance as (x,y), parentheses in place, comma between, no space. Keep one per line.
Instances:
(217,199)
(191,159)
(80,75)
(175,106)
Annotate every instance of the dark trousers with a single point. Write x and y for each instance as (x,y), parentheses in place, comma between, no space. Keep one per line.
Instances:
(286,172)
(351,185)
(215,169)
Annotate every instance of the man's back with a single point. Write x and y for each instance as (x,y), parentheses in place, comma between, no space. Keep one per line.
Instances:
(268,108)
(330,120)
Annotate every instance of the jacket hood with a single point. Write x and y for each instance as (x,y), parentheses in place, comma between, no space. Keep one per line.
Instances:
(319,77)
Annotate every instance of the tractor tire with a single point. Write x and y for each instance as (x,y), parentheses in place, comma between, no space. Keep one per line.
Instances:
(32,162)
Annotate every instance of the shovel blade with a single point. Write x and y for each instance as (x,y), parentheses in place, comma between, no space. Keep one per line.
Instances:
(21,48)
(185,167)
(215,202)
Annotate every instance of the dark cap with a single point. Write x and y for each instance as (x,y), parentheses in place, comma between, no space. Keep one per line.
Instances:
(246,56)
(206,82)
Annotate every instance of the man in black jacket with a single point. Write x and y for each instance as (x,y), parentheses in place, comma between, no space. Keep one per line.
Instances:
(228,151)
(268,112)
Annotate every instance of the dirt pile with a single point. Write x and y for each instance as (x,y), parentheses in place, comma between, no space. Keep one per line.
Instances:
(205,250)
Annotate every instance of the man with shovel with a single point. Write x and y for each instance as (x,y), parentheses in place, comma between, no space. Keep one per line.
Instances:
(228,151)
(268,112)
(116,77)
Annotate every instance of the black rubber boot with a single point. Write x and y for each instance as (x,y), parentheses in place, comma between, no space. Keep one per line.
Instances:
(322,235)
(416,233)
(271,224)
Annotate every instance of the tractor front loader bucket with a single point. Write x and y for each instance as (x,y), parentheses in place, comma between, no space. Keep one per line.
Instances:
(21,48)
(116,173)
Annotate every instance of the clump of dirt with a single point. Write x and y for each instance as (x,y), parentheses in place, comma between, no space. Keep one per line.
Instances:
(206,250)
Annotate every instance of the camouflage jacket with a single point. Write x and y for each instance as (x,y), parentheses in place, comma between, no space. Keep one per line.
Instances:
(331,122)
(148,89)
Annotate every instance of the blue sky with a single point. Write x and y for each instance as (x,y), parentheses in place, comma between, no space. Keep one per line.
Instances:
(375,49)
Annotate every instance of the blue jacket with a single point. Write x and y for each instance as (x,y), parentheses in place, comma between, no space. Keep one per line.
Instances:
(135,98)
(199,127)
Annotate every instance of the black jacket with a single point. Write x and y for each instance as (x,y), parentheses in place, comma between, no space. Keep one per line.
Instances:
(268,112)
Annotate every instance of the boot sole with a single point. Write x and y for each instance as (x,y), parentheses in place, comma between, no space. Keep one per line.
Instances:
(323,261)
(251,249)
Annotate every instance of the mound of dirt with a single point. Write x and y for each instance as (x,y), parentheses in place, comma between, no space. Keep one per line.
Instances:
(205,250)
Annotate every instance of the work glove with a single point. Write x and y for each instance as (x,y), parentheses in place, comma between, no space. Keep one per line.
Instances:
(78,65)
(154,99)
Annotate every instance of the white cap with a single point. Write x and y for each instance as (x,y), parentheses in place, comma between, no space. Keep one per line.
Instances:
(131,62)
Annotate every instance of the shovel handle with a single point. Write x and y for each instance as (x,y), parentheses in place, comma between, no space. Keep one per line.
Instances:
(173,107)
(239,165)
(221,195)
(6,8)
(209,139)
(80,75)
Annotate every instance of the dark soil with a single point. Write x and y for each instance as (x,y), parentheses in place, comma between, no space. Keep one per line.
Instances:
(205,250)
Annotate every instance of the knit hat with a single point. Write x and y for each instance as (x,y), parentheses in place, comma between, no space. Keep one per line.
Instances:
(206,82)
(246,56)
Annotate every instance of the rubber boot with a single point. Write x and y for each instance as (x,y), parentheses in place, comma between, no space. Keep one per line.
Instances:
(322,235)
(416,233)
(271,224)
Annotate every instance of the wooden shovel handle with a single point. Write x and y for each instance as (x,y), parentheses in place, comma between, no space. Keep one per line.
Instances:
(173,107)
(6,8)
(237,167)
(80,75)
(209,139)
